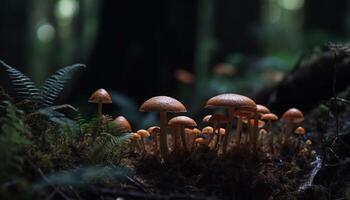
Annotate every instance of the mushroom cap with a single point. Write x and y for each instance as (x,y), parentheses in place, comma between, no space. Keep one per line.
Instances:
(208,130)
(299,131)
(162,104)
(206,118)
(308,142)
(135,136)
(154,129)
(199,140)
(122,123)
(251,122)
(143,133)
(269,116)
(100,96)
(196,131)
(293,115)
(231,100)
(222,131)
(182,121)
(262,109)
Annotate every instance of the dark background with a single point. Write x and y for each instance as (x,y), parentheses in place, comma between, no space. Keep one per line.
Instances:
(134,47)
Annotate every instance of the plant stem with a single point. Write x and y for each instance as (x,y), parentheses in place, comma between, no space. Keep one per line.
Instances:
(183,137)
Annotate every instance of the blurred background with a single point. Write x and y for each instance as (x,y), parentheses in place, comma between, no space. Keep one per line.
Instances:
(190,50)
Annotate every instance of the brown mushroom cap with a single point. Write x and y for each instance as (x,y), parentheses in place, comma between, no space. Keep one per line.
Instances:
(154,129)
(231,100)
(162,104)
(222,131)
(182,121)
(122,123)
(299,131)
(262,109)
(206,118)
(199,140)
(207,130)
(196,131)
(293,115)
(135,136)
(143,133)
(269,116)
(100,96)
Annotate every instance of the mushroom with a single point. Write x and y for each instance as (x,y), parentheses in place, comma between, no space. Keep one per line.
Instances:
(163,104)
(179,124)
(154,131)
(122,124)
(217,119)
(262,134)
(233,102)
(195,132)
(262,109)
(300,131)
(270,117)
(251,123)
(222,132)
(100,97)
(134,142)
(291,117)
(241,115)
(199,142)
(208,130)
(143,133)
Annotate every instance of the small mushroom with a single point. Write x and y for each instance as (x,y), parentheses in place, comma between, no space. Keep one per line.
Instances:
(154,131)
(291,117)
(262,135)
(208,130)
(134,145)
(122,124)
(300,131)
(179,123)
(100,97)
(163,104)
(144,134)
(270,117)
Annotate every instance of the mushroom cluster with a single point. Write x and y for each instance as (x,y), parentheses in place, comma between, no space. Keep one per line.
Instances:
(253,125)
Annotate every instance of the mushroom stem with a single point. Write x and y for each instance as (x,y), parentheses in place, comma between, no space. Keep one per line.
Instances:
(255,131)
(213,134)
(175,136)
(183,137)
(155,141)
(163,136)
(272,149)
(99,110)
(239,131)
(228,130)
(288,132)
(143,145)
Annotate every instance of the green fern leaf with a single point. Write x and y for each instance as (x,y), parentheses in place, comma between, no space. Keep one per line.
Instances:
(55,84)
(23,86)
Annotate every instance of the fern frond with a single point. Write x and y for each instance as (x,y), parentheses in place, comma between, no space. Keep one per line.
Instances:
(23,86)
(54,85)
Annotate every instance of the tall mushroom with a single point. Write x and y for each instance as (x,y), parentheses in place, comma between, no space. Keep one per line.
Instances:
(180,122)
(163,104)
(100,97)
(291,117)
(233,102)
(270,117)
